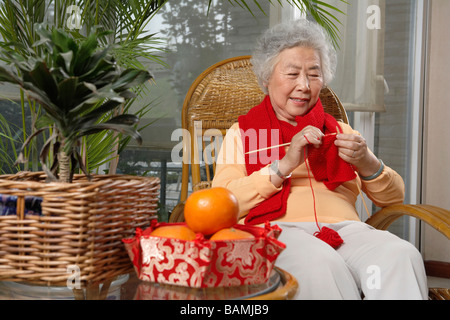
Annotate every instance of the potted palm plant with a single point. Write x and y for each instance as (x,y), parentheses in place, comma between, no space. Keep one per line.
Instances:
(62,219)
(77,85)
(133,46)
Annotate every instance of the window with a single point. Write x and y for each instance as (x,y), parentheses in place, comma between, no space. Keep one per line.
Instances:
(194,39)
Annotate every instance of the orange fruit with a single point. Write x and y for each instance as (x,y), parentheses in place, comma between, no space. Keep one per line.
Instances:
(209,210)
(231,234)
(174,231)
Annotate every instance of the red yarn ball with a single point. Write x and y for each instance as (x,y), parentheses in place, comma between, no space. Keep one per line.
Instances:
(330,236)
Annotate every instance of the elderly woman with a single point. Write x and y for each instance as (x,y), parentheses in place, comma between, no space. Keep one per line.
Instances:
(310,187)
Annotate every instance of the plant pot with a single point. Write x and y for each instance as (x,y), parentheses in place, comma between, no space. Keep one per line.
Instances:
(62,233)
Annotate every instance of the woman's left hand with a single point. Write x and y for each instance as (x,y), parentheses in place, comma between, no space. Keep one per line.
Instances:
(353,149)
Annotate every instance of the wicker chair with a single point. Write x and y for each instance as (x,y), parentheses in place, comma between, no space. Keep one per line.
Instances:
(229,89)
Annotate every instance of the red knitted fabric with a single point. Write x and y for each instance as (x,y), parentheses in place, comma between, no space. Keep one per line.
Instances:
(325,163)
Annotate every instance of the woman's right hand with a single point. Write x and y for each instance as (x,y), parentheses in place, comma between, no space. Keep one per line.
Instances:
(295,154)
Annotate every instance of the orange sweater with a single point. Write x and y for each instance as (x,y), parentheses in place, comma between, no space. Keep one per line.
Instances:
(331,206)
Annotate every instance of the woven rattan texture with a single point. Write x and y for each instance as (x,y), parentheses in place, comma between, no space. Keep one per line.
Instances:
(82,224)
(439,294)
(224,94)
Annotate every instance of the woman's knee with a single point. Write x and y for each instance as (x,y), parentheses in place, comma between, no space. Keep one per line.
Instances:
(400,251)
(395,272)
(315,261)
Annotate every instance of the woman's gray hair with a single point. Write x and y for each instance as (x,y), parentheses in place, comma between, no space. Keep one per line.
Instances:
(298,33)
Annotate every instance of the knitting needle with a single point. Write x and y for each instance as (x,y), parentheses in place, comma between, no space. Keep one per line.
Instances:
(272,147)
(282,145)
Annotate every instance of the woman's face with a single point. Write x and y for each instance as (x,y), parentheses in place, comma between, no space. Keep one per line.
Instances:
(295,83)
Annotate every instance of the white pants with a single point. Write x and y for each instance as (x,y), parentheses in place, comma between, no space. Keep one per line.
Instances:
(370,263)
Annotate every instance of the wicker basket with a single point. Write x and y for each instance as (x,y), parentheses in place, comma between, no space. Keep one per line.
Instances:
(79,227)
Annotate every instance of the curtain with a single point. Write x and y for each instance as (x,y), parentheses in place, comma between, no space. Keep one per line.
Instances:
(359,81)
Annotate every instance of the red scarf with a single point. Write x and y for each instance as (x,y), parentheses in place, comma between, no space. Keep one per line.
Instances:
(324,162)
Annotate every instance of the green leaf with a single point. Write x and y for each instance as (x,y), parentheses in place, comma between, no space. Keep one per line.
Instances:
(322,16)
(45,150)
(100,111)
(94,97)
(7,76)
(67,57)
(125,129)
(44,121)
(85,59)
(60,42)
(42,79)
(130,78)
(20,158)
(67,89)
(40,96)
(95,65)
(125,119)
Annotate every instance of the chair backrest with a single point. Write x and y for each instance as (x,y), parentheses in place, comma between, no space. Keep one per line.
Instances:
(213,103)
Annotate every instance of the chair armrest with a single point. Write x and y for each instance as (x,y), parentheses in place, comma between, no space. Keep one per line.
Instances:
(177,214)
(436,217)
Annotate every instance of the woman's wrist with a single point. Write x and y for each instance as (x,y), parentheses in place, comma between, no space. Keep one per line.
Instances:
(279,173)
(372,174)
(284,168)
(275,168)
